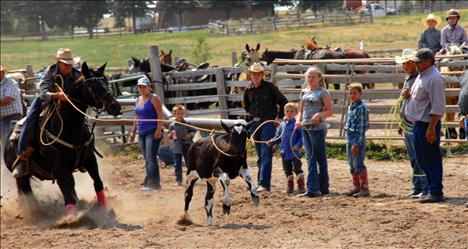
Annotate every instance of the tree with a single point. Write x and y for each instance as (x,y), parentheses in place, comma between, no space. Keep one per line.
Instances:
(128,8)
(227,6)
(89,13)
(179,7)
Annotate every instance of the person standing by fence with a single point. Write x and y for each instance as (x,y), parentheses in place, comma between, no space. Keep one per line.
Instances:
(314,107)
(148,106)
(11,108)
(425,107)
(264,102)
(357,123)
(290,148)
(406,127)
(182,136)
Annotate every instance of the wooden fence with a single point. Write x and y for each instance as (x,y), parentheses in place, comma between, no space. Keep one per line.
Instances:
(285,74)
(286,22)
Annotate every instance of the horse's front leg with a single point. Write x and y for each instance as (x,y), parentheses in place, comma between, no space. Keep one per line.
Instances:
(93,171)
(210,189)
(244,173)
(225,181)
(69,195)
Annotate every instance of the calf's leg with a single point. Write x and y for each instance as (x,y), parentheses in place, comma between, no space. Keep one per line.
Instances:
(244,173)
(210,189)
(225,181)
(191,178)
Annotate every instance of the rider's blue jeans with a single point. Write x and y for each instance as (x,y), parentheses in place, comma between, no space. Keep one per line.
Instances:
(31,122)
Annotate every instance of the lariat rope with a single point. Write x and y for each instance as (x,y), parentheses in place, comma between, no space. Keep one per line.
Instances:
(212,131)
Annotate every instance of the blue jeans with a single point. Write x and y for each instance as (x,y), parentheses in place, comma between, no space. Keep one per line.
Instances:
(419,177)
(31,122)
(178,161)
(466,128)
(149,147)
(316,152)
(428,156)
(166,155)
(5,128)
(356,161)
(264,153)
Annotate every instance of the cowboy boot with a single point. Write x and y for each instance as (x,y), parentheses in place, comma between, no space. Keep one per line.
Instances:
(356,185)
(290,184)
(300,184)
(364,185)
(21,164)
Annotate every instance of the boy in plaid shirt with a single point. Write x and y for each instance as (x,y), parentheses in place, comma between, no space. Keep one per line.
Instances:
(356,126)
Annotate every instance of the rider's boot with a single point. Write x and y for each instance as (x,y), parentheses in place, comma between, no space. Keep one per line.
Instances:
(21,165)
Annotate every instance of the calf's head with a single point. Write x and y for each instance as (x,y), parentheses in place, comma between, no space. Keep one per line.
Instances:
(237,136)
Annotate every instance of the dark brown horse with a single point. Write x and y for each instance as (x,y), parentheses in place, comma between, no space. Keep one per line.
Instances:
(315,52)
(269,56)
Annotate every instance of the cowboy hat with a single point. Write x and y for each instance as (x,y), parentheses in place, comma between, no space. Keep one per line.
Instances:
(65,55)
(256,68)
(433,18)
(452,12)
(407,55)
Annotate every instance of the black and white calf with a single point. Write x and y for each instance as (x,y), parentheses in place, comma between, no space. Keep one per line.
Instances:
(222,157)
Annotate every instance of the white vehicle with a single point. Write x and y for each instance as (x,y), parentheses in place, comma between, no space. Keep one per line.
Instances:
(377,10)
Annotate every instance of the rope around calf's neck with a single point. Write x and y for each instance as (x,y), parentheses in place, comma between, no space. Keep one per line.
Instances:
(212,131)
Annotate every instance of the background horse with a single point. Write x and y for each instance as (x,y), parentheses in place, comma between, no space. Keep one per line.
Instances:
(268,56)
(452,49)
(69,139)
(316,52)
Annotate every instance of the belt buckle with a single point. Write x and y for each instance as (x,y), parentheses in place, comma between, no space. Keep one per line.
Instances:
(308,126)
(256,119)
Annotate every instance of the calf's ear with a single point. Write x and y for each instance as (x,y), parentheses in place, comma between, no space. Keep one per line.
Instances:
(228,130)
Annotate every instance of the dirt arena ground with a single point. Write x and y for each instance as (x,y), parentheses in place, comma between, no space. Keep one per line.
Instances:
(149,220)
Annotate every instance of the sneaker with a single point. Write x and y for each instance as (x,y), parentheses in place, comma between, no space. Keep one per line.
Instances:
(146,189)
(261,189)
(415,194)
(432,199)
(311,194)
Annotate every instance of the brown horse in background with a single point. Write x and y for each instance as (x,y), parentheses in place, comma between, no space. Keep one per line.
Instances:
(317,52)
(164,58)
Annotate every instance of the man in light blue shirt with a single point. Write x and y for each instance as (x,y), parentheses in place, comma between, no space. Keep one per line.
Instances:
(425,107)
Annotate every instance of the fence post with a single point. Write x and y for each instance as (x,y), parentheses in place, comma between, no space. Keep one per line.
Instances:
(274,70)
(273,23)
(233,58)
(221,89)
(155,66)
(29,73)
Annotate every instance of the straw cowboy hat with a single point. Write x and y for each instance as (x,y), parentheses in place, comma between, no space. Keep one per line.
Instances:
(256,68)
(65,55)
(408,54)
(433,18)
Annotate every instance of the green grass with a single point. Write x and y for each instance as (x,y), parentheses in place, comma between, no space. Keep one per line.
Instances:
(388,32)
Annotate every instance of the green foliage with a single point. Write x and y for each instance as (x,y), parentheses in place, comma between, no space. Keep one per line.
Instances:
(201,50)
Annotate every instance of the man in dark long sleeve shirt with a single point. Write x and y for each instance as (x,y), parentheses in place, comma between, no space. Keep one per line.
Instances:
(64,68)
(263,101)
